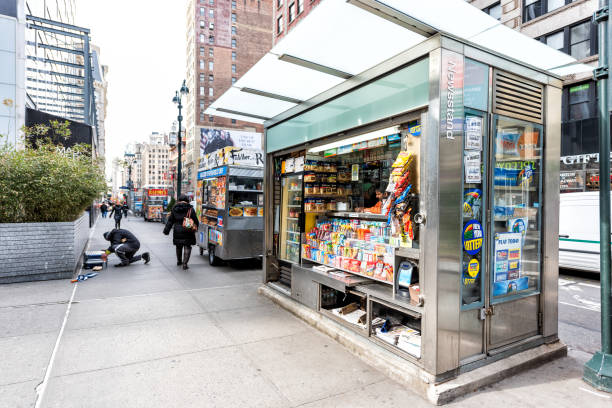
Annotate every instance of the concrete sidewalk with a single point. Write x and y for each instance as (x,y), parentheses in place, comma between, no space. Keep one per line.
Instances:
(157,336)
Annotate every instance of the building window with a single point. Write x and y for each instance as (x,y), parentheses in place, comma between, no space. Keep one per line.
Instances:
(211,39)
(201,51)
(279,3)
(210,118)
(233,80)
(291,12)
(556,41)
(211,13)
(210,78)
(233,43)
(233,17)
(201,64)
(201,116)
(233,4)
(211,2)
(202,11)
(494,10)
(580,40)
(211,52)
(234,121)
(580,101)
(210,91)
(202,38)
(210,65)
(536,8)
(234,68)
(201,77)
(202,23)
(201,104)
(233,30)
(279,25)
(300,6)
(233,55)
(202,91)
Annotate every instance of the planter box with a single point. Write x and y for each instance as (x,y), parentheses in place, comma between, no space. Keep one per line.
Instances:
(41,250)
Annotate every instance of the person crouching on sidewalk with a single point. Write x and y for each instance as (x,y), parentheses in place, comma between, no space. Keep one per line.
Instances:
(125,245)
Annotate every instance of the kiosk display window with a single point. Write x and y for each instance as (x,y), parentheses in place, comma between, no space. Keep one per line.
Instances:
(517,197)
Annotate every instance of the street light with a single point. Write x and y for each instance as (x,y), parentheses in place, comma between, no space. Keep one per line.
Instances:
(178,101)
(129,160)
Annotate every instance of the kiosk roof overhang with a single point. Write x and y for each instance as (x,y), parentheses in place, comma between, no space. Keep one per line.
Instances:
(335,47)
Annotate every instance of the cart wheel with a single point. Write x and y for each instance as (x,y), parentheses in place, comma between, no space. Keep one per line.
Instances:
(212,259)
(201,251)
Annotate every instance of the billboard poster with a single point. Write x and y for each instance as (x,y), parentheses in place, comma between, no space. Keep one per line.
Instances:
(212,140)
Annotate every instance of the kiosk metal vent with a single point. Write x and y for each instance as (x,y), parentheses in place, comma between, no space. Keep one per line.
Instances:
(517,97)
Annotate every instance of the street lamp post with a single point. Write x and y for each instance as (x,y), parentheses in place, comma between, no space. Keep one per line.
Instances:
(598,370)
(178,100)
(130,158)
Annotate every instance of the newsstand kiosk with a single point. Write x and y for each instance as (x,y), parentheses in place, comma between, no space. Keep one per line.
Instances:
(419,209)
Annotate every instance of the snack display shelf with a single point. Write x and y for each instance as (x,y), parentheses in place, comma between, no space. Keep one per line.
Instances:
(213,207)
(293,232)
(346,270)
(362,216)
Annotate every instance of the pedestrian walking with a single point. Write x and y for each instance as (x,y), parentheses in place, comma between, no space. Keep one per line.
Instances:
(125,245)
(118,215)
(185,222)
(125,209)
(104,209)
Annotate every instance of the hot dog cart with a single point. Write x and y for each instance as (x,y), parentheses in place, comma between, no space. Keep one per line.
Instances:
(231,216)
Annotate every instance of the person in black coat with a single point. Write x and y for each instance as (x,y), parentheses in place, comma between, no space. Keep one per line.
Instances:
(182,238)
(118,214)
(104,209)
(125,209)
(125,245)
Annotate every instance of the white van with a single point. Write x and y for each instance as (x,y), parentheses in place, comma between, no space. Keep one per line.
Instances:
(579,231)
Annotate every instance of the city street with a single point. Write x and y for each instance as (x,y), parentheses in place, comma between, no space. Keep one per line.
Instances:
(157,336)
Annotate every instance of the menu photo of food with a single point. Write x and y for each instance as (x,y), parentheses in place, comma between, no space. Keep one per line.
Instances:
(236,212)
(250,211)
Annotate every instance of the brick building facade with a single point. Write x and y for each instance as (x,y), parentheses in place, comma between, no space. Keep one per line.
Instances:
(225,38)
(288,13)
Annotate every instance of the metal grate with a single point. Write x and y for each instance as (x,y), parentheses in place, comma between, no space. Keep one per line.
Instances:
(517,97)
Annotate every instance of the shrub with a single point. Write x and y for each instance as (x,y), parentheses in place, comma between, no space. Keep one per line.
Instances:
(47,183)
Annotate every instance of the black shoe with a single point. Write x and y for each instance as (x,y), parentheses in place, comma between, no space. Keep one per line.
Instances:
(119,265)
(179,263)
(146,257)
(185,267)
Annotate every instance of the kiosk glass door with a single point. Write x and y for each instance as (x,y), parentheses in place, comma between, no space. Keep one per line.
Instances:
(515,240)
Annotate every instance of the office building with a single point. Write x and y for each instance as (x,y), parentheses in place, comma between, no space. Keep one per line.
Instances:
(567,26)
(288,13)
(224,39)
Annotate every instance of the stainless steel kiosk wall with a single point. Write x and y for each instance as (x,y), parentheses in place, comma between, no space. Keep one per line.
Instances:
(501,316)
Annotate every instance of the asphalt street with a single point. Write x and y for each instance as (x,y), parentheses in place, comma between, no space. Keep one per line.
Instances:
(579,310)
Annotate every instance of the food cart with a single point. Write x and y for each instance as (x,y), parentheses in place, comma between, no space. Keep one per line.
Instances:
(414,204)
(153,201)
(231,212)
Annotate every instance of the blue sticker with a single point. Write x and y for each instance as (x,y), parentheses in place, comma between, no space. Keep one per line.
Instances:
(472,237)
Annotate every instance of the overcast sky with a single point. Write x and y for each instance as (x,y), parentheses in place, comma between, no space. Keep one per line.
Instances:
(143,44)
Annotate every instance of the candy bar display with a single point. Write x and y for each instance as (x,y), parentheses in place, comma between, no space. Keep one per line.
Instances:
(356,246)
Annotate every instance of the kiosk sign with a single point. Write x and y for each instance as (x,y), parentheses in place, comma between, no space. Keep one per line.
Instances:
(451,95)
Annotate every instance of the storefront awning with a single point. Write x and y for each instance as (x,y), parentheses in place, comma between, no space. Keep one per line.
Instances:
(340,39)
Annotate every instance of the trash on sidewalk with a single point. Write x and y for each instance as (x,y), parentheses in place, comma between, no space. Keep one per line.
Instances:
(84,277)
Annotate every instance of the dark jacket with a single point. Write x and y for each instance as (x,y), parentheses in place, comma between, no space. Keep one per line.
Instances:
(125,208)
(121,236)
(117,211)
(103,208)
(181,236)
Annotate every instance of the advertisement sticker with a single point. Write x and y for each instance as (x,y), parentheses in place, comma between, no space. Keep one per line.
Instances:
(472,167)
(508,246)
(473,133)
(472,237)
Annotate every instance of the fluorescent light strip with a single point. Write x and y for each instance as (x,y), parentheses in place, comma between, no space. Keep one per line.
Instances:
(357,139)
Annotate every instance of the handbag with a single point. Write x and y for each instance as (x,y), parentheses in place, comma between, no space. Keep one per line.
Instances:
(188,223)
